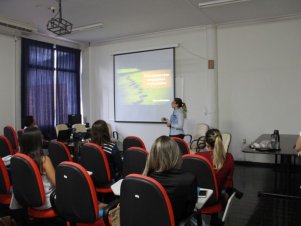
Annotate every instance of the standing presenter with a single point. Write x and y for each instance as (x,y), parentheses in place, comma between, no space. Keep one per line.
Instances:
(176,122)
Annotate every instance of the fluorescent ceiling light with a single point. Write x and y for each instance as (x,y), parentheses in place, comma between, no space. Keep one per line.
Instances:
(219,3)
(88,27)
(11,23)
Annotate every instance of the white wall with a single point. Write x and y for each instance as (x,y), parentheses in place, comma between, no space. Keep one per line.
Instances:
(191,79)
(7,81)
(259,80)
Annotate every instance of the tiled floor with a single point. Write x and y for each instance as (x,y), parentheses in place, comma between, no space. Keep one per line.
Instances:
(252,210)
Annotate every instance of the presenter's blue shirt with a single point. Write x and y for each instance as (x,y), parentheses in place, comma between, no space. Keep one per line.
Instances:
(177,122)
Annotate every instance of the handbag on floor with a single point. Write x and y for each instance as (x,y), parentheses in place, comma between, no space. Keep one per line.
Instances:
(7,221)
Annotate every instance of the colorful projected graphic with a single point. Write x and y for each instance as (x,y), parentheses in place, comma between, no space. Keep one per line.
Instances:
(145,87)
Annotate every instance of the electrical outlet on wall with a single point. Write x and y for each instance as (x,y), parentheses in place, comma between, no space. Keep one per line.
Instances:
(244,141)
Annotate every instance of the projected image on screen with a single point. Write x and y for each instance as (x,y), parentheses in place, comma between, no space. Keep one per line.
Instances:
(144,85)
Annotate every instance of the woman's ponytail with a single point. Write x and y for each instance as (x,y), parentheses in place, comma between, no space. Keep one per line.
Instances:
(214,140)
(184,107)
(219,153)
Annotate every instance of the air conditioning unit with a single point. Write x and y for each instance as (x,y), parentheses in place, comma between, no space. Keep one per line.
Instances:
(13,27)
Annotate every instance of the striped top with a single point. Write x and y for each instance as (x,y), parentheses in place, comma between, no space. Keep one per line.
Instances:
(114,159)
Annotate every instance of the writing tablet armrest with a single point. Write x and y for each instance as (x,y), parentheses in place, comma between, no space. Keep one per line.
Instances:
(106,211)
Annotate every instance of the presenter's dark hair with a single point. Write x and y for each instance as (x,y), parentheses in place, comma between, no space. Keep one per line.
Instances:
(100,133)
(178,101)
(182,105)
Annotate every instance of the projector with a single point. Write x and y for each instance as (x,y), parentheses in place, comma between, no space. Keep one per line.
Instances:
(59,26)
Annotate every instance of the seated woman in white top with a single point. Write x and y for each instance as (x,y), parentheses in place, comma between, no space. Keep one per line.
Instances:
(31,142)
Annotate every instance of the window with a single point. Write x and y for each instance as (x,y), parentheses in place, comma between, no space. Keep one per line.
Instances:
(49,93)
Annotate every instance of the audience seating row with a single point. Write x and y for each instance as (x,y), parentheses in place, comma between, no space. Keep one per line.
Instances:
(91,157)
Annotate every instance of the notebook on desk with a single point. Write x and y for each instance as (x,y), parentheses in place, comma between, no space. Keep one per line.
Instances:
(6,160)
(116,187)
(64,135)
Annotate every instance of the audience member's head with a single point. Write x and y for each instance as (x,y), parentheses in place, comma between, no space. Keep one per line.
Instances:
(29,121)
(31,142)
(100,133)
(164,155)
(215,144)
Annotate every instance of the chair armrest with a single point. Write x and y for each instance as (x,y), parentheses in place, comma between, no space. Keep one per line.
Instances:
(190,137)
(231,193)
(192,142)
(106,211)
(201,142)
(228,207)
(115,135)
(238,194)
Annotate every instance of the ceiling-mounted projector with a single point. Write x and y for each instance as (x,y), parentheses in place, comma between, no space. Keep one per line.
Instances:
(58,25)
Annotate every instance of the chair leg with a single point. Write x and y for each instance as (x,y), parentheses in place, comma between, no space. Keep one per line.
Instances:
(20,216)
(215,221)
(199,219)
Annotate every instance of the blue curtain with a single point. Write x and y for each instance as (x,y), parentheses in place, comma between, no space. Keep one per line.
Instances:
(67,83)
(37,89)
(38,84)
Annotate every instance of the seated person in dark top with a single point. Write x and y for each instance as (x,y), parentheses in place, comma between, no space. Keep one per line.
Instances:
(29,122)
(100,135)
(164,165)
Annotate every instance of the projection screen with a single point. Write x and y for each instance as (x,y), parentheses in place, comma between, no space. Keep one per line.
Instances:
(144,85)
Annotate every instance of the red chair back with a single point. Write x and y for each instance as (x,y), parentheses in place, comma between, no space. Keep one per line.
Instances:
(5,147)
(183,145)
(134,160)
(204,172)
(144,201)
(58,152)
(76,199)
(132,141)
(29,192)
(94,159)
(5,186)
(28,186)
(11,135)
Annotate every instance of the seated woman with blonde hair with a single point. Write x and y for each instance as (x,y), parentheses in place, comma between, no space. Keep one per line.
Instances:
(164,165)
(222,162)
(223,165)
